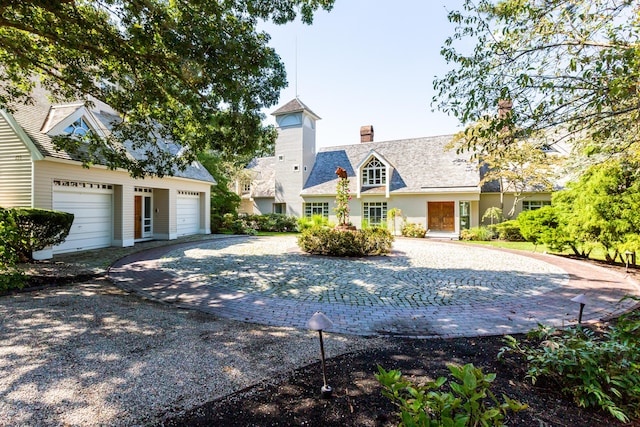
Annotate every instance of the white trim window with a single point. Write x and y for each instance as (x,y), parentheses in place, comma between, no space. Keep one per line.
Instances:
(374,213)
(279,208)
(374,173)
(79,128)
(532,205)
(316,208)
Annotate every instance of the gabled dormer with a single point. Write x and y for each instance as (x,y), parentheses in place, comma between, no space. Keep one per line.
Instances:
(373,172)
(71,120)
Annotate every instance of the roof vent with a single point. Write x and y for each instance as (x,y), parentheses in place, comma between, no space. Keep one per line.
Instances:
(366,133)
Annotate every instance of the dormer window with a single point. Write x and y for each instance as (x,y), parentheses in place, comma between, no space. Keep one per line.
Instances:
(79,128)
(374,173)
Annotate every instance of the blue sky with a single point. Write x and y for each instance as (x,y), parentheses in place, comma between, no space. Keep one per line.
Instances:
(368,63)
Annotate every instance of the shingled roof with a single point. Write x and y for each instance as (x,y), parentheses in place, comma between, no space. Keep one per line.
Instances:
(294,106)
(419,165)
(40,116)
(263,177)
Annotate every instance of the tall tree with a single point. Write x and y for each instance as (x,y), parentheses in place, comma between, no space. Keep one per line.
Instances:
(572,66)
(516,166)
(601,207)
(195,72)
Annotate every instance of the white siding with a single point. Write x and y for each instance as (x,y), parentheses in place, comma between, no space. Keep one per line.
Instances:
(15,169)
(165,194)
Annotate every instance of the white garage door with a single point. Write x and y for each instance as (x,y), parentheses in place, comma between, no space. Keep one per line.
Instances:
(188,213)
(92,207)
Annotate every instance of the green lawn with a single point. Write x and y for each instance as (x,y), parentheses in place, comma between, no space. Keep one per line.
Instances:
(596,254)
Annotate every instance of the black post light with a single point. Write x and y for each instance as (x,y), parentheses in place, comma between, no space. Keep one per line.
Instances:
(628,256)
(319,322)
(582,300)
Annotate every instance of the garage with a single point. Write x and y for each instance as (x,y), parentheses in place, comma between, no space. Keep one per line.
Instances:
(188,213)
(92,207)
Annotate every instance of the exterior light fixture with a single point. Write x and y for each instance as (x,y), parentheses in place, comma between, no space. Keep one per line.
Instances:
(629,257)
(320,322)
(582,300)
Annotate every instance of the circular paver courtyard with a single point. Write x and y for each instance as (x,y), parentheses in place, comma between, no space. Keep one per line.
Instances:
(424,288)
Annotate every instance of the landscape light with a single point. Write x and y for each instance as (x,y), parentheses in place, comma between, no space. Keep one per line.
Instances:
(583,300)
(320,322)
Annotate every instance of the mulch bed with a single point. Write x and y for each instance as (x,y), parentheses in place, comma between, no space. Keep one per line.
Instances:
(357,399)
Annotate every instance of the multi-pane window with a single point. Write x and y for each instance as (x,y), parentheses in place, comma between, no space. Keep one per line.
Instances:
(280,208)
(316,208)
(79,127)
(374,173)
(532,205)
(246,187)
(465,215)
(374,213)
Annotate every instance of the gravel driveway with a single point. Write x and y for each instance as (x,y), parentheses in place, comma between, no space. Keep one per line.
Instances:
(90,354)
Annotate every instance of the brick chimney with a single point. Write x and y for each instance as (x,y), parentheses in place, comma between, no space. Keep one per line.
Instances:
(366,133)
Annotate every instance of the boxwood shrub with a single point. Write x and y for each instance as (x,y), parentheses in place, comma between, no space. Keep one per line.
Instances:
(10,276)
(356,243)
(39,228)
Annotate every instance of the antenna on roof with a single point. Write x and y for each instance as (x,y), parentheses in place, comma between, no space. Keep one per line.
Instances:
(296,69)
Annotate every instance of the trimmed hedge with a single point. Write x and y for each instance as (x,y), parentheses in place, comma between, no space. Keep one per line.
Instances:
(39,228)
(251,224)
(10,276)
(356,243)
(270,222)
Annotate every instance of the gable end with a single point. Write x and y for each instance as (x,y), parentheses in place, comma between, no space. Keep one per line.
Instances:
(17,153)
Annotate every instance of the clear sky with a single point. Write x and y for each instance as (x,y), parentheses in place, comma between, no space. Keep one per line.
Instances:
(368,63)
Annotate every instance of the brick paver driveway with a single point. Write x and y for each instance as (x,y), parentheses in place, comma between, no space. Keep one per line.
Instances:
(424,288)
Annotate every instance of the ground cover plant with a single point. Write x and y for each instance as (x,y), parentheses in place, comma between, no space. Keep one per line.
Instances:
(597,370)
(468,402)
(357,400)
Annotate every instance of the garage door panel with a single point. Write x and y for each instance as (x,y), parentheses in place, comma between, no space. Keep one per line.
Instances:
(188,215)
(92,225)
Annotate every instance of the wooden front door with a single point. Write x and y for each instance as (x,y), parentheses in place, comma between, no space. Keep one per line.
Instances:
(441,216)
(137,220)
